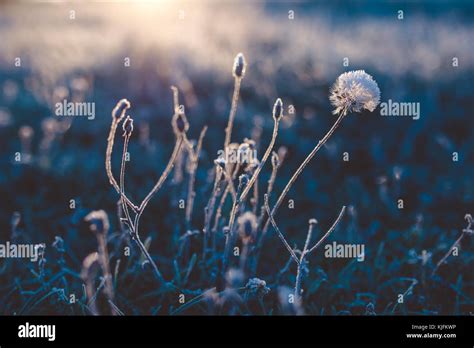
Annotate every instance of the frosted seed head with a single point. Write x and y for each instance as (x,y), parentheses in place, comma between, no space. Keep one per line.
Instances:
(128,126)
(278,109)
(239,66)
(119,110)
(354,91)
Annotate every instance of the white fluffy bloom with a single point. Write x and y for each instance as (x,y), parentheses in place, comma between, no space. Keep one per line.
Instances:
(354,91)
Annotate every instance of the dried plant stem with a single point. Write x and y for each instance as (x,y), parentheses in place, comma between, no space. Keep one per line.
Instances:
(108,162)
(254,177)
(123,197)
(300,262)
(301,167)
(209,210)
(194,155)
(164,175)
(233,109)
(280,235)
(104,262)
(467,230)
(134,224)
(254,200)
(228,189)
(331,230)
(270,185)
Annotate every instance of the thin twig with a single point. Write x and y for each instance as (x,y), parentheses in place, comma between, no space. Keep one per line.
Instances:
(290,250)
(301,167)
(328,233)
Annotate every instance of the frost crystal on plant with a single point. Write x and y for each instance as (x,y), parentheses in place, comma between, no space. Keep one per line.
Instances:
(354,91)
(257,287)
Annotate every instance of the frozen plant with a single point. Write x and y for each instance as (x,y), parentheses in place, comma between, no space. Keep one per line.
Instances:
(353,91)
(180,127)
(307,250)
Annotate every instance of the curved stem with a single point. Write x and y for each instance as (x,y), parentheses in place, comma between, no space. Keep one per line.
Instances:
(108,162)
(233,109)
(280,235)
(301,167)
(163,177)
(328,233)
(254,177)
(123,197)
(192,177)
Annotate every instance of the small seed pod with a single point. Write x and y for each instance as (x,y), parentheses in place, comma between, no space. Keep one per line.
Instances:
(278,109)
(128,126)
(119,110)
(99,221)
(239,66)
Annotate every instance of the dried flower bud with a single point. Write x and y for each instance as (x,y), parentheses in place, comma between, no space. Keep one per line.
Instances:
(127,126)
(99,221)
(119,110)
(278,109)
(239,66)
